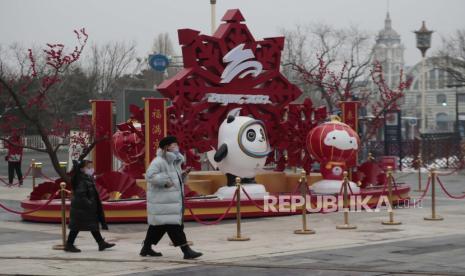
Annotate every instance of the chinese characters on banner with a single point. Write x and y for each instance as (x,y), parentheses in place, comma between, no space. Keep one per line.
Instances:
(350,118)
(155,126)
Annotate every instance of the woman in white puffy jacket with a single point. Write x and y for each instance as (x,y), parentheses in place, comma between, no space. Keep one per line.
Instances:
(165,199)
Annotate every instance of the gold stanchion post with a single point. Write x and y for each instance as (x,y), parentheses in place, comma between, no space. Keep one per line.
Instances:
(370,157)
(346,225)
(419,164)
(36,168)
(433,198)
(238,236)
(304,189)
(391,211)
(33,165)
(63,218)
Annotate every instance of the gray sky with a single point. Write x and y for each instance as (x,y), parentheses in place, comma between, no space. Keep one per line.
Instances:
(41,21)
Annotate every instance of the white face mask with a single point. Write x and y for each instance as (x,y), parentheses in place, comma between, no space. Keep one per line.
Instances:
(175,150)
(88,171)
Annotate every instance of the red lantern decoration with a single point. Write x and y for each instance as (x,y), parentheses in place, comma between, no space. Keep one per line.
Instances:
(333,144)
(128,147)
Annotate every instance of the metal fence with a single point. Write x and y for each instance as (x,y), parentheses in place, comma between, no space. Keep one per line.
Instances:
(438,150)
(36,141)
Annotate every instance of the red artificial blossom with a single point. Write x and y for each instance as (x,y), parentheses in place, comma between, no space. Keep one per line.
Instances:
(388,98)
(27,94)
(336,87)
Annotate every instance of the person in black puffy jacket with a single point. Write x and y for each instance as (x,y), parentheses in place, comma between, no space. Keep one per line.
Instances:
(86,208)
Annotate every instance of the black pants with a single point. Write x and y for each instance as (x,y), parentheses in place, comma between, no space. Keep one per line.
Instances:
(175,232)
(12,167)
(73,234)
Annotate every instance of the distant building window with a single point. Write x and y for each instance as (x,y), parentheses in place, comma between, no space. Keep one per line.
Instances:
(442,121)
(415,86)
(461,98)
(441,99)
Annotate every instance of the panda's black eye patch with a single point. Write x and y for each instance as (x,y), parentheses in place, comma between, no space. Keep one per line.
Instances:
(251,134)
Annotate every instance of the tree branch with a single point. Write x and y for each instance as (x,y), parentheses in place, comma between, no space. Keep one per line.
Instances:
(88,149)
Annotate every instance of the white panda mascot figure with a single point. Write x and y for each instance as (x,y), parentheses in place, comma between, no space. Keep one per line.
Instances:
(243,148)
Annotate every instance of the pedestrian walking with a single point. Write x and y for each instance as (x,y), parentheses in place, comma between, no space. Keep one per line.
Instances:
(14,158)
(86,207)
(165,199)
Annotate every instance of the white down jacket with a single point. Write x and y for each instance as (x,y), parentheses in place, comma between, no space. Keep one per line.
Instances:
(165,205)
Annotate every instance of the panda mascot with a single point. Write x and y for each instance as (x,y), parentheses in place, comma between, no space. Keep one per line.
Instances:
(242,151)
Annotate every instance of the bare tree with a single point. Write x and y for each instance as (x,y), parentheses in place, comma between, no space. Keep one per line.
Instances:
(108,63)
(162,44)
(453,56)
(314,52)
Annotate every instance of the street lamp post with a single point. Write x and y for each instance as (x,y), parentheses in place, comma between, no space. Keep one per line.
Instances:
(213,14)
(423,37)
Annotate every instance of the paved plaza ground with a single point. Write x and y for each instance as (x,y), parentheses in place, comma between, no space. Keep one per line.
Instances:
(416,247)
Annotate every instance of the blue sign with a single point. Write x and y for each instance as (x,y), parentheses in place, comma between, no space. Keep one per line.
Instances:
(158,62)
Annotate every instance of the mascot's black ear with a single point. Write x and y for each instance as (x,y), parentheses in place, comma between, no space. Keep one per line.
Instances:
(232,114)
(230,119)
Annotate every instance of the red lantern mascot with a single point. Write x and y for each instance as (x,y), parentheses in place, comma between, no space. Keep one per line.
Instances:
(332,144)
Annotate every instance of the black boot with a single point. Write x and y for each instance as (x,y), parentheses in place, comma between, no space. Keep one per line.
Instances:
(71,248)
(104,245)
(189,253)
(148,251)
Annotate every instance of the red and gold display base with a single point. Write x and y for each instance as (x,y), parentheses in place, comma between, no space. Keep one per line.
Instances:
(204,209)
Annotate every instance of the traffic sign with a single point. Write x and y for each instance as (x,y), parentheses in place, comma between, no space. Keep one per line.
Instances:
(158,62)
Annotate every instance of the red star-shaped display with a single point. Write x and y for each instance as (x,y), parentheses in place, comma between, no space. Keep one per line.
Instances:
(195,120)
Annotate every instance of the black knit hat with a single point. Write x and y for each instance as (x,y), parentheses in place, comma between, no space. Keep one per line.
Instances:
(81,164)
(167,141)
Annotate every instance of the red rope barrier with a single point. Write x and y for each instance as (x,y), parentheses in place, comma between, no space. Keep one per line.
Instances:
(30,211)
(397,192)
(296,188)
(341,189)
(446,192)
(250,198)
(19,182)
(46,177)
(197,219)
(422,196)
(350,188)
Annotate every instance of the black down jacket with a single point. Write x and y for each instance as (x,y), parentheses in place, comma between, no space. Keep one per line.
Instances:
(86,208)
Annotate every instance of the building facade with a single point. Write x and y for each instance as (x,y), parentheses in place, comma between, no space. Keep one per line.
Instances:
(444,105)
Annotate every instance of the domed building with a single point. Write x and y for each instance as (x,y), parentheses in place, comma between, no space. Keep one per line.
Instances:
(389,52)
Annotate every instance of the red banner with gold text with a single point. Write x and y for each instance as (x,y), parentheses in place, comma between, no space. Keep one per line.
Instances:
(155,126)
(350,117)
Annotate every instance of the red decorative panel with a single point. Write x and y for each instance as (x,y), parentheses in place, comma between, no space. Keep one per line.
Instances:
(102,121)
